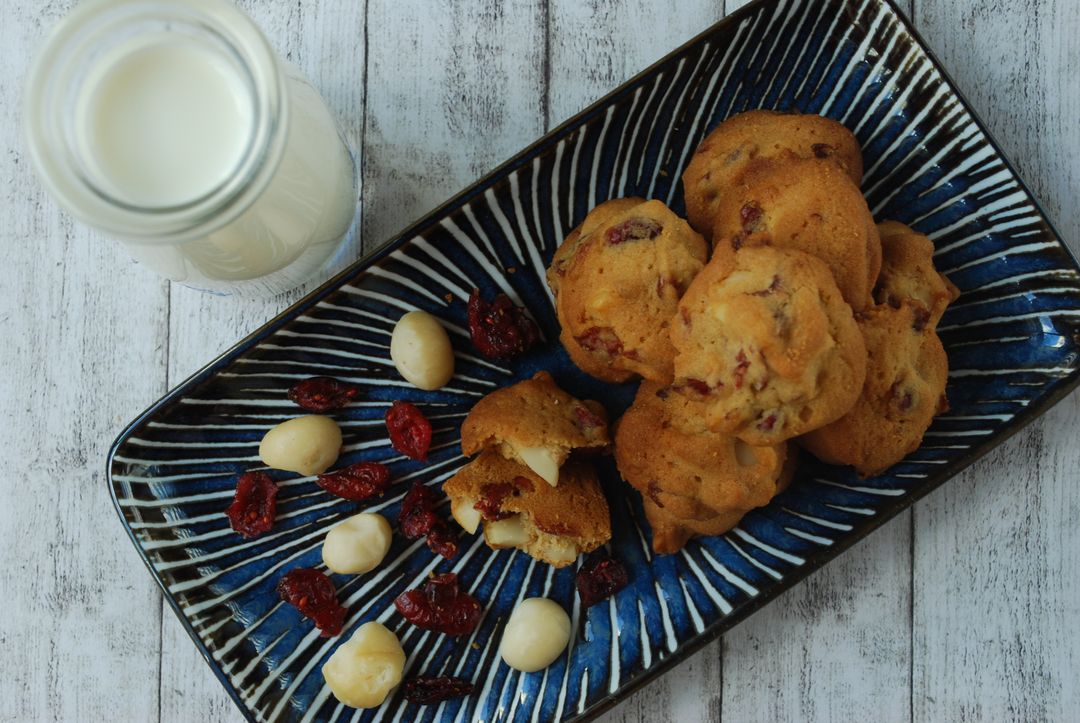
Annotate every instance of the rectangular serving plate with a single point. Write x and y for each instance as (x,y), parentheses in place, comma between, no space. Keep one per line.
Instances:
(1012,340)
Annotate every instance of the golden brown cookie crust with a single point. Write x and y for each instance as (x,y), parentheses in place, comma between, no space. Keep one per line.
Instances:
(906,376)
(908,272)
(720,161)
(574,513)
(765,341)
(617,280)
(691,482)
(808,205)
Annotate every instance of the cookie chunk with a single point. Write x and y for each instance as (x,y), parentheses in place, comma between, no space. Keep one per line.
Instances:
(908,273)
(536,423)
(905,388)
(691,482)
(516,508)
(809,205)
(617,280)
(724,155)
(765,341)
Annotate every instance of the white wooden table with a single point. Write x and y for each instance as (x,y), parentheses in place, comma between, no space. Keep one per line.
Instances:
(963,609)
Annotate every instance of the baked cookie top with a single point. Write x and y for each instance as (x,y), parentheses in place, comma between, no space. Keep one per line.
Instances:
(617,280)
(809,205)
(724,155)
(906,374)
(765,341)
(519,509)
(699,482)
(536,423)
(908,272)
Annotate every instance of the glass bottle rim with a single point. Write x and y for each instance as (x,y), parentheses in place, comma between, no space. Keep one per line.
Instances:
(63,62)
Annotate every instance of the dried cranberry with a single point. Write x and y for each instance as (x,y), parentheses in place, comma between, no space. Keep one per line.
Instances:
(499,329)
(428,691)
(600,577)
(600,338)
(254,506)
(750,215)
(698,385)
(822,150)
(654,493)
(767,424)
(922,318)
(357,482)
(903,398)
(440,605)
(741,365)
(417,518)
(323,394)
(491,499)
(587,420)
(313,594)
(634,229)
(410,431)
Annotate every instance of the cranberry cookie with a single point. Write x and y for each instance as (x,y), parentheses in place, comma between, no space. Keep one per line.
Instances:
(905,388)
(724,155)
(907,272)
(691,482)
(519,509)
(765,341)
(536,423)
(809,205)
(617,280)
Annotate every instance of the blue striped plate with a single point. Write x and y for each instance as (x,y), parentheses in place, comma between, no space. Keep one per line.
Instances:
(1012,340)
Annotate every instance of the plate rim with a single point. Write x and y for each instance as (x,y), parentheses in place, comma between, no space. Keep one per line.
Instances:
(814,561)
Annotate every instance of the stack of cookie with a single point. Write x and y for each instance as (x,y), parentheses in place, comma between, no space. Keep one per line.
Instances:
(806,322)
(530,487)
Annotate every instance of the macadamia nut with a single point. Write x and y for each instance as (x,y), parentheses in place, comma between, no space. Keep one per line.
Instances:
(421,351)
(535,636)
(364,669)
(307,445)
(358,544)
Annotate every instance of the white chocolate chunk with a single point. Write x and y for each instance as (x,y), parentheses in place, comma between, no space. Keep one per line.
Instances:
(358,544)
(542,460)
(561,552)
(421,352)
(506,533)
(307,445)
(744,454)
(535,635)
(465,514)
(364,669)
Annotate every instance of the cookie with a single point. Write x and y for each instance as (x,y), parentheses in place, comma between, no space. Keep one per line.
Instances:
(720,161)
(906,375)
(907,272)
(536,423)
(518,509)
(765,341)
(809,205)
(691,482)
(617,280)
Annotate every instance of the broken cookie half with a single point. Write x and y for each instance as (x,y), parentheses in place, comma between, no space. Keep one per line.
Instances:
(516,508)
(537,424)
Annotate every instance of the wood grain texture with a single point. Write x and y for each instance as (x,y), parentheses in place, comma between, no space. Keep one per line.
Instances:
(996,550)
(84,349)
(962,610)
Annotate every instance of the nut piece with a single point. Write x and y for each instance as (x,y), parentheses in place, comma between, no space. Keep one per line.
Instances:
(421,352)
(358,544)
(535,635)
(363,671)
(307,445)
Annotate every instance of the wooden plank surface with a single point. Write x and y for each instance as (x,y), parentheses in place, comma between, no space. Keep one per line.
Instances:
(960,611)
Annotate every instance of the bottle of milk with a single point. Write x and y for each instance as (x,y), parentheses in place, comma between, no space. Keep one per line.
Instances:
(173,126)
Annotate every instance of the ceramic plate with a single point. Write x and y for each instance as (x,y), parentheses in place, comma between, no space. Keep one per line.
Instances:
(1012,340)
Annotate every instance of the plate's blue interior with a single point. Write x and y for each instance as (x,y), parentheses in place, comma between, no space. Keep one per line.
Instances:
(1011,339)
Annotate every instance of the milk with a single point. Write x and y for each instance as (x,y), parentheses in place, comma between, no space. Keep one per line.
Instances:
(172,126)
(163,122)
